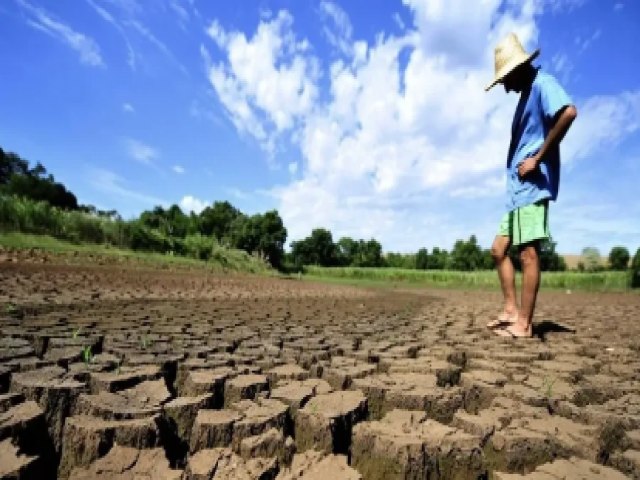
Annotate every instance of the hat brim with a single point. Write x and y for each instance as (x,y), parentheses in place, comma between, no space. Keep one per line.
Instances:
(499,78)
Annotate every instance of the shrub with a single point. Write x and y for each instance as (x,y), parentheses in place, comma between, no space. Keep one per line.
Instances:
(147,239)
(199,246)
(82,227)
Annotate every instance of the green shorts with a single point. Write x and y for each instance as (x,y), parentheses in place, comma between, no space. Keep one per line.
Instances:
(526,224)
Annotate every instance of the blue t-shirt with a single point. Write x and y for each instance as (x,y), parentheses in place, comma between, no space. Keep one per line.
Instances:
(531,123)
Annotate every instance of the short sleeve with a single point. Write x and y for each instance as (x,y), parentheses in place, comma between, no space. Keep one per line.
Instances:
(553,97)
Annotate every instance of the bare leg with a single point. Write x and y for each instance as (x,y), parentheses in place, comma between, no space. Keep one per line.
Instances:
(530,284)
(507,279)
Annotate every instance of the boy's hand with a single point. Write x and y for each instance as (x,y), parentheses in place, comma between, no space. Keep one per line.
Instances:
(528,166)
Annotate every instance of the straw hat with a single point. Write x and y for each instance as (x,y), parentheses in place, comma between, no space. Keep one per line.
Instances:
(508,55)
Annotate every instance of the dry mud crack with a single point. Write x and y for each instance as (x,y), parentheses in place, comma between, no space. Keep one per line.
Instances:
(114,372)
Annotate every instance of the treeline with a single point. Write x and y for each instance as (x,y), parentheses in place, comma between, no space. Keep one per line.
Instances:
(31,201)
(19,179)
(466,255)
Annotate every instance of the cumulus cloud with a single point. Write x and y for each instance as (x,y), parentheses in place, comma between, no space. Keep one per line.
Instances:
(189,203)
(268,82)
(178,169)
(128,108)
(604,121)
(405,133)
(84,45)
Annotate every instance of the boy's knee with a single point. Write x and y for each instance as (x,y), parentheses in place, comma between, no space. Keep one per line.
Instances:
(528,254)
(499,250)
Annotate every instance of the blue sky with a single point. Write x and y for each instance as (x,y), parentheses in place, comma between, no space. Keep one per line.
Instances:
(368,118)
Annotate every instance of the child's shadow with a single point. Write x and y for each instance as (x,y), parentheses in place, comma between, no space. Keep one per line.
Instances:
(541,329)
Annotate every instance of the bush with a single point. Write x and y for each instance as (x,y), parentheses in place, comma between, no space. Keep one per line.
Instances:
(28,216)
(199,246)
(81,227)
(147,239)
(115,233)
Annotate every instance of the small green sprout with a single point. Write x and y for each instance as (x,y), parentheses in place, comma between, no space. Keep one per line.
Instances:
(145,342)
(87,355)
(547,386)
(76,333)
(11,309)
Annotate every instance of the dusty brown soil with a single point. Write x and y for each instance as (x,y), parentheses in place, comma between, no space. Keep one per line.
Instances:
(115,372)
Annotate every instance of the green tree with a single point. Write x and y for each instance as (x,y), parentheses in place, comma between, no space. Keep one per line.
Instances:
(243,234)
(11,164)
(347,251)
(422,259)
(216,220)
(369,254)
(272,236)
(635,270)
(466,256)
(171,222)
(619,258)
(260,234)
(317,249)
(487,260)
(439,259)
(35,184)
(399,260)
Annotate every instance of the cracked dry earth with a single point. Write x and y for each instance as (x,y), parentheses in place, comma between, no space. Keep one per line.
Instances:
(196,376)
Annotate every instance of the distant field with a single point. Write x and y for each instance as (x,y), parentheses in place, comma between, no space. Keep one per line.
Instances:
(599,281)
(573,260)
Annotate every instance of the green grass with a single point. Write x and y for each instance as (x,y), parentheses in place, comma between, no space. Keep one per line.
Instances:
(223,259)
(600,281)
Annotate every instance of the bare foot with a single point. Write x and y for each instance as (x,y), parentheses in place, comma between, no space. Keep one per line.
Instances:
(506,318)
(515,330)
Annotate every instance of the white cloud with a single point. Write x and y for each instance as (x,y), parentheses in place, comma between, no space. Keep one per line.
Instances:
(178,169)
(584,43)
(190,203)
(85,46)
(398,19)
(128,108)
(268,82)
(140,151)
(339,32)
(146,33)
(179,10)
(562,5)
(618,6)
(396,150)
(562,66)
(603,121)
(106,16)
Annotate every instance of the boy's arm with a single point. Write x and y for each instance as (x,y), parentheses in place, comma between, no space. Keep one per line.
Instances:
(564,119)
